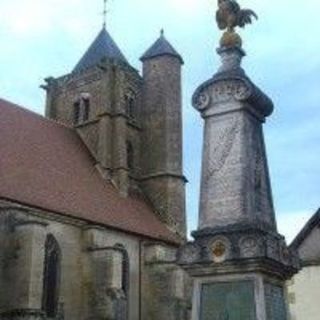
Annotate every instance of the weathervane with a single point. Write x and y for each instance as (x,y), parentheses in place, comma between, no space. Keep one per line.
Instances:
(105,11)
(229,16)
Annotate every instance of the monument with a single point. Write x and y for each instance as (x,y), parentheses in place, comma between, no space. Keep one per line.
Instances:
(238,260)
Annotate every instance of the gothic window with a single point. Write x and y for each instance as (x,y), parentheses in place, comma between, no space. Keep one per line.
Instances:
(130,155)
(130,102)
(81,109)
(51,275)
(76,112)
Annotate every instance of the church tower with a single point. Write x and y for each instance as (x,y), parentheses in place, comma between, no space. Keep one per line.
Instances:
(162,172)
(100,98)
(132,125)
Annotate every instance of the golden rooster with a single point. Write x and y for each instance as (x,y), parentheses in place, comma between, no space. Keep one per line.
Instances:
(229,15)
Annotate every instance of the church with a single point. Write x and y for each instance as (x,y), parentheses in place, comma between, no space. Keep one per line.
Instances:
(92,196)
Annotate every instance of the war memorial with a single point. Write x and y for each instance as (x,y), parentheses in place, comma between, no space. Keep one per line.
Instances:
(238,260)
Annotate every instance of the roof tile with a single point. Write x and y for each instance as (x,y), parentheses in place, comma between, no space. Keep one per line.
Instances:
(102,47)
(160,48)
(45,164)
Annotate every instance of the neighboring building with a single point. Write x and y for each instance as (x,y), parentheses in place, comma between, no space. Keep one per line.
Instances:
(92,197)
(304,288)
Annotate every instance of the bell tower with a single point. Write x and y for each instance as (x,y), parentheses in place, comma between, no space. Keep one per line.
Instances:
(101,99)
(131,124)
(162,169)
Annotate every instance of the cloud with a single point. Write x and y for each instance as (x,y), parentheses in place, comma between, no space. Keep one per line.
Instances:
(291,223)
(34,18)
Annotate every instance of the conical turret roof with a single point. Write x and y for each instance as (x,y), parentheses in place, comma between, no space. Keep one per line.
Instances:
(102,47)
(160,48)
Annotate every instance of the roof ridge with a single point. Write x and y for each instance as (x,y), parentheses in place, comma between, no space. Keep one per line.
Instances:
(311,223)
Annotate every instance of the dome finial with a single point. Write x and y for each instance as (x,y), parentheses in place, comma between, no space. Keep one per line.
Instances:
(162,32)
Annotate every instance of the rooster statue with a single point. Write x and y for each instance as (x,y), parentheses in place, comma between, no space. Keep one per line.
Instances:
(229,16)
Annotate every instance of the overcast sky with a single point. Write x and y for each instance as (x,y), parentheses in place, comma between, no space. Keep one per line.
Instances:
(41,38)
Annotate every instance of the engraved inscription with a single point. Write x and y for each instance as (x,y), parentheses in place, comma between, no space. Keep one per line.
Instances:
(226,90)
(221,152)
(275,304)
(227,301)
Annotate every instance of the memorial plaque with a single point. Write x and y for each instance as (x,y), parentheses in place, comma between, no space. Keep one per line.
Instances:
(228,301)
(275,304)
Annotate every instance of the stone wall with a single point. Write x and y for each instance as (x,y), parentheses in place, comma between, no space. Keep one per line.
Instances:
(91,272)
(109,128)
(166,285)
(154,130)
(162,139)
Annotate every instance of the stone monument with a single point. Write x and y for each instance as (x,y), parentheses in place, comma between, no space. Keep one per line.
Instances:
(238,260)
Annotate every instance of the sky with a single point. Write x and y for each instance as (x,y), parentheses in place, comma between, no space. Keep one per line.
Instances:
(47,38)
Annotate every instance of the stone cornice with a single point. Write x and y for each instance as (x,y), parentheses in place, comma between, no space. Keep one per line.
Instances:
(249,92)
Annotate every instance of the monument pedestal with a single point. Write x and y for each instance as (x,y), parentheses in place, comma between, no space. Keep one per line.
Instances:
(238,260)
(239,297)
(238,275)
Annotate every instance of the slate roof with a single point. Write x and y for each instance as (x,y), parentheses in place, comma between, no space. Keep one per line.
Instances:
(102,47)
(45,164)
(160,48)
(306,230)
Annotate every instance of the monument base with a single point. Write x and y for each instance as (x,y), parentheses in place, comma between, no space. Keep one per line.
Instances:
(239,273)
(238,297)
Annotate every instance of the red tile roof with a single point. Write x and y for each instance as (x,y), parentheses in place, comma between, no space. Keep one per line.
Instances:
(46,165)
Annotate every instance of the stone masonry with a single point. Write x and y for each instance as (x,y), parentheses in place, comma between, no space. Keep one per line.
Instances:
(152,128)
(238,259)
(74,265)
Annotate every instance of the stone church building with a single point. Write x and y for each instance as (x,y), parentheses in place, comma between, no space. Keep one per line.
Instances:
(92,196)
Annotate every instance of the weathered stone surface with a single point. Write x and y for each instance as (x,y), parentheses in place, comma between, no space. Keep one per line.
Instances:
(90,280)
(23,314)
(127,109)
(275,302)
(228,300)
(235,185)
(167,286)
(162,173)
(132,126)
(108,128)
(237,237)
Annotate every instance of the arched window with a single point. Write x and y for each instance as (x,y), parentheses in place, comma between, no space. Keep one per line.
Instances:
(81,109)
(130,155)
(51,277)
(125,273)
(86,109)
(130,101)
(125,278)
